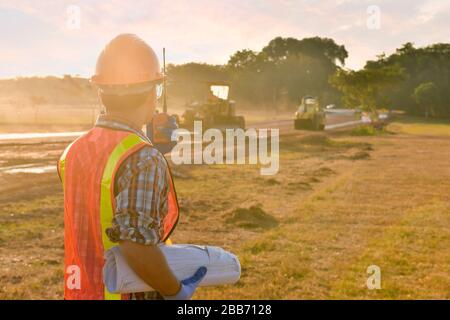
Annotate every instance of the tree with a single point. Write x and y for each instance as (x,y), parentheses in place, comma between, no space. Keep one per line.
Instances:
(320,48)
(287,67)
(362,88)
(420,65)
(243,60)
(426,96)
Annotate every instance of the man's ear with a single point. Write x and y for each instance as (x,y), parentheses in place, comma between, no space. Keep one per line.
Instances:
(99,97)
(100,102)
(150,105)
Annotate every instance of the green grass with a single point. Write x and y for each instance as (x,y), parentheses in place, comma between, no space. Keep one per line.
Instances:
(375,212)
(364,131)
(411,253)
(31,242)
(420,126)
(337,205)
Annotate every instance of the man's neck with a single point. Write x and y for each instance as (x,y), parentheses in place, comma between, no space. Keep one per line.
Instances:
(124,120)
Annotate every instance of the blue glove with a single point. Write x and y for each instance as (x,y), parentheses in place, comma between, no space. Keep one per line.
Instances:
(188,286)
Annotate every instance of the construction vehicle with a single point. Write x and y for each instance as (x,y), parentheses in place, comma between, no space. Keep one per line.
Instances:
(216,111)
(310,115)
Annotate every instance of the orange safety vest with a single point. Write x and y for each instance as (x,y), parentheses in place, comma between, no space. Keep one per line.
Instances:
(87,170)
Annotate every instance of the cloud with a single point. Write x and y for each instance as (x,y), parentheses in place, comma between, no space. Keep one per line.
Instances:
(37,40)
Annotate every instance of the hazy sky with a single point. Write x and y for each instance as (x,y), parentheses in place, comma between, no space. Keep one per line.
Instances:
(44,37)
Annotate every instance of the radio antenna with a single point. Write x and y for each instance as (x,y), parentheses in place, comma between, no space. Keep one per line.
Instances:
(164,82)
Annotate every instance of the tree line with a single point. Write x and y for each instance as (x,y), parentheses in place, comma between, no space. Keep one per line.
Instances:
(416,80)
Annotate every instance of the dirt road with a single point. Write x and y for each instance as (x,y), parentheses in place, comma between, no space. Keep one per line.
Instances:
(35,153)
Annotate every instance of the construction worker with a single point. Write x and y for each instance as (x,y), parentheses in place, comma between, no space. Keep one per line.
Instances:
(118,188)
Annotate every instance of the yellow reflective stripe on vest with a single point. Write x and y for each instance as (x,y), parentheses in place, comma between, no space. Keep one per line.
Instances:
(106,209)
(62,162)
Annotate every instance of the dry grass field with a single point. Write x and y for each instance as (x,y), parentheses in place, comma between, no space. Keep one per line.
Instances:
(338,204)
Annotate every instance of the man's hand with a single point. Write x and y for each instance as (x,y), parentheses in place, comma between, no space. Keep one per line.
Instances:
(149,263)
(189,285)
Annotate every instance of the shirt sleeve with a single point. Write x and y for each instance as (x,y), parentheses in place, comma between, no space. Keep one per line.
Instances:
(141,190)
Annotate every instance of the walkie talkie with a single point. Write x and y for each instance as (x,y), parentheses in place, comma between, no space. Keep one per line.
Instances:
(162,124)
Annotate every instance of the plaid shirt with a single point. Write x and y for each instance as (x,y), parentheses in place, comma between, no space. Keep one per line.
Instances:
(141,189)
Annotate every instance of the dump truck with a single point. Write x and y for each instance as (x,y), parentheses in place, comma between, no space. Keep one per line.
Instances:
(215,111)
(310,115)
